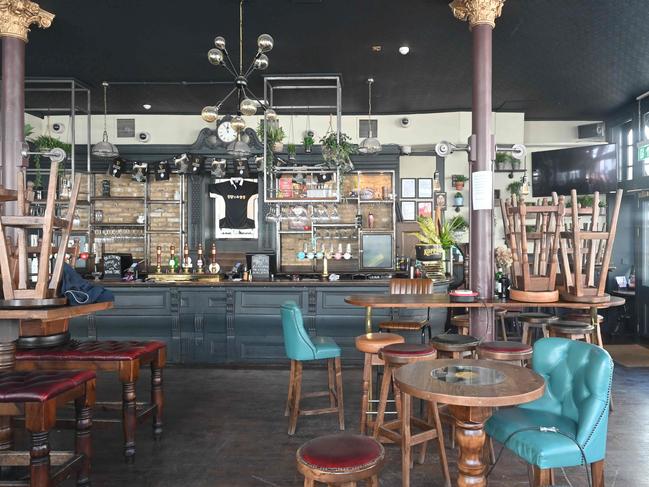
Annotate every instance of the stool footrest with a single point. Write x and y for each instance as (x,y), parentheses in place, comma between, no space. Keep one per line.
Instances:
(315,394)
(315,412)
(392,431)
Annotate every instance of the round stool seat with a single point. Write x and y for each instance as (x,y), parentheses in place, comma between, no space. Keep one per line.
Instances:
(537,318)
(454,343)
(572,328)
(506,351)
(340,453)
(583,318)
(374,342)
(405,353)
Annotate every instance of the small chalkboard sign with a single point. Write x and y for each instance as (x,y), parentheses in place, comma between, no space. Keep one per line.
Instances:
(261,266)
(112,265)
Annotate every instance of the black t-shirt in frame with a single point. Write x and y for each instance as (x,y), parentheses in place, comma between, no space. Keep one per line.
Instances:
(236,197)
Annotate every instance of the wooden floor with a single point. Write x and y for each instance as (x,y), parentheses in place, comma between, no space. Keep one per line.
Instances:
(225,428)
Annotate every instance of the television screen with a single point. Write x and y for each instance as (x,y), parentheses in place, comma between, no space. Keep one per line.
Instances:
(377,251)
(585,169)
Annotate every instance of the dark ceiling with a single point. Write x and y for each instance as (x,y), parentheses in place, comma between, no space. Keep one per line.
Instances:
(553,59)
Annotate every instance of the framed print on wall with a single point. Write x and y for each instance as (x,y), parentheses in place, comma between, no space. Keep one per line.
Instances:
(425,188)
(408,211)
(440,200)
(408,188)
(425,209)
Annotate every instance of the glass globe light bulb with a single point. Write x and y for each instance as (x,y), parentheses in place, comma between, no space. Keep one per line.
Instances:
(237,123)
(265,43)
(247,107)
(262,62)
(271,114)
(219,42)
(209,114)
(215,56)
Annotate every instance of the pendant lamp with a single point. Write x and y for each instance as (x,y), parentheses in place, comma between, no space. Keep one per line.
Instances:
(369,145)
(105,149)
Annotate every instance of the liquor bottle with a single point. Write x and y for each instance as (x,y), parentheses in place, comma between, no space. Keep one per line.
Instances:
(500,292)
(200,263)
(187,260)
(505,284)
(173,260)
(158,259)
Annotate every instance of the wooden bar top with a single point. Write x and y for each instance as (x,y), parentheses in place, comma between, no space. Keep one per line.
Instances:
(443,301)
(52,313)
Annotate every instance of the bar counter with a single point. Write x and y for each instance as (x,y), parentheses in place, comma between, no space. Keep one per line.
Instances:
(236,322)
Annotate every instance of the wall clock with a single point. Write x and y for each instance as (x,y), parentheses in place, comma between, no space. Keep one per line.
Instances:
(224,130)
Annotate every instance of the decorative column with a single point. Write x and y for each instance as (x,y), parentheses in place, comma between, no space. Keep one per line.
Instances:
(16,17)
(481,15)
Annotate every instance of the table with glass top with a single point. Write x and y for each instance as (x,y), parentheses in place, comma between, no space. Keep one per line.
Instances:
(471,388)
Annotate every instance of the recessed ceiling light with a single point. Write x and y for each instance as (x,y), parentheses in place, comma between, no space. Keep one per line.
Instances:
(146,106)
(404,50)
(377,48)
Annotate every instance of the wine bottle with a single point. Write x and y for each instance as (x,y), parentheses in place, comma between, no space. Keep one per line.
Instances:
(499,284)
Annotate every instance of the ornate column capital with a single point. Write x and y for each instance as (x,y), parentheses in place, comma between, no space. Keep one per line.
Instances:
(16,16)
(477,11)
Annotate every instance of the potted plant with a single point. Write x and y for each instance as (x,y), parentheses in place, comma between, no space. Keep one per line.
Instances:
(429,247)
(459,199)
(514,188)
(516,163)
(337,150)
(44,143)
(585,201)
(274,135)
(602,208)
(308,141)
(501,161)
(292,151)
(459,180)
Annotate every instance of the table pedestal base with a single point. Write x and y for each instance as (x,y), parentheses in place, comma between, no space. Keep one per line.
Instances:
(9,332)
(470,438)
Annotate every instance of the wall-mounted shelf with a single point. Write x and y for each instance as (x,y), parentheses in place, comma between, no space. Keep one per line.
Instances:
(117,198)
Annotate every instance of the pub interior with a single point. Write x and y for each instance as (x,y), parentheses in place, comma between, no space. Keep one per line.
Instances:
(317,242)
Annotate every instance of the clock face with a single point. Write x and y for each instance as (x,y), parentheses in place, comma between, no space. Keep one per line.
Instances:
(226,133)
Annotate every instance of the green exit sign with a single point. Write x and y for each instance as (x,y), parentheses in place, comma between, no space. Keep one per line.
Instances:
(643,151)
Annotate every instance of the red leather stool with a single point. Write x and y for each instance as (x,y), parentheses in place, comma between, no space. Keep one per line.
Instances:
(342,459)
(37,395)
(125,358)
(395,356)
(505,351)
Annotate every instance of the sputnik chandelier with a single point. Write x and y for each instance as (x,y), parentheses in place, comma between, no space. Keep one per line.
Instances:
(247,101)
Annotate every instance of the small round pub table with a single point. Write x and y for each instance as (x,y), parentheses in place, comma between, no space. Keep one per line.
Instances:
(471,388)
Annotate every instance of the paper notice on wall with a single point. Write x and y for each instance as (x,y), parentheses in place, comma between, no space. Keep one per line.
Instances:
(482,190)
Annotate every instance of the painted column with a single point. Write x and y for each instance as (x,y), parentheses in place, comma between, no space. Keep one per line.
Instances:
(16,17)
(481,15)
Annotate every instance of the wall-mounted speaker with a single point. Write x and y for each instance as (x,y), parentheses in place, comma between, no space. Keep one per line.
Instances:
(591,130)
(58,128)
(143,137)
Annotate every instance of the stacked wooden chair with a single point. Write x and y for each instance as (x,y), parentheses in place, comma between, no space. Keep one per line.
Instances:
(584,250)
(535,253)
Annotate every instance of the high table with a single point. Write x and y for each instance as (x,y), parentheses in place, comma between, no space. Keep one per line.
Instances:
(471,388)
(369,301)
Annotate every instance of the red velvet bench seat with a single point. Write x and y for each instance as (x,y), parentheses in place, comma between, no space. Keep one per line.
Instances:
(124,357)
(36,396)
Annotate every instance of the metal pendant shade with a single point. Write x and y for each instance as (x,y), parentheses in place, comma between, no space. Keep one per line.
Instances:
(105,149)
(370,144)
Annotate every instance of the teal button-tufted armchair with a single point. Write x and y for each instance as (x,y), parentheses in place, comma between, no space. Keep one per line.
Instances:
(300,347)
(576,402)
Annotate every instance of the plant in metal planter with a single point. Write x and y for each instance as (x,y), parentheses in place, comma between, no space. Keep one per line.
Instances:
(337,150)
(502,160)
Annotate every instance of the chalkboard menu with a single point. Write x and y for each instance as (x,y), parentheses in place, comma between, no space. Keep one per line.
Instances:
(261,266)
(112,265)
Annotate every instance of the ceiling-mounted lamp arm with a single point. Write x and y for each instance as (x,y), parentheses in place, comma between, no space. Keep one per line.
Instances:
(251,68)
(232,69)
(218,107)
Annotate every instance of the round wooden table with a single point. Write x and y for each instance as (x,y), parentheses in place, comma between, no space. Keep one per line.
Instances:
(471,388)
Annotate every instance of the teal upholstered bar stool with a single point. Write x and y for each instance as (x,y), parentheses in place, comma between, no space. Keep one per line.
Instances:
(300,347)
(578,379)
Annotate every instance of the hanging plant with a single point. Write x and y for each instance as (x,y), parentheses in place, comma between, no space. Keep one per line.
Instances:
(44,143)
(514,188)
(336,151)
(308,141)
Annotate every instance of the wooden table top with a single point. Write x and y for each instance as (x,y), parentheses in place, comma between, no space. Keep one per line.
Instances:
(443,301)
(52,313)
(519,384)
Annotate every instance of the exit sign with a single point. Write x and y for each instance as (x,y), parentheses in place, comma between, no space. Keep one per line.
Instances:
(643,151)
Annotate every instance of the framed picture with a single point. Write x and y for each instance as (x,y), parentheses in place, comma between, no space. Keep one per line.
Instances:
(424,188)
(425,209)
(408,188)
(408,211)
(440,200)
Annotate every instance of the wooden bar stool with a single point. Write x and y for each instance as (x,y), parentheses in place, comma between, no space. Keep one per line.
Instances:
(585,318)
(572,330)
(410,286)
(535,320)
(123,358)
(461,323)
(394,357)
(454,346)
(341,460)
(370,345)
(513,352)
(37,395)
(501,314)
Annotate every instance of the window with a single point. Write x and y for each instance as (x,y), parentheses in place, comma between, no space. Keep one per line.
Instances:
(625,144)
(645,162)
